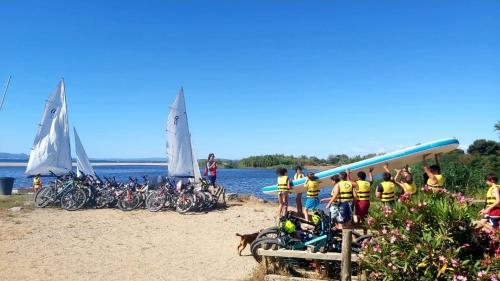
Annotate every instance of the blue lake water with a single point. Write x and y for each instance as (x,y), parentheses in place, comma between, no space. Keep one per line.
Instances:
(247,181)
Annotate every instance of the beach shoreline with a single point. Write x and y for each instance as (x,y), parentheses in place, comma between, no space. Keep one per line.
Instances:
(50,243)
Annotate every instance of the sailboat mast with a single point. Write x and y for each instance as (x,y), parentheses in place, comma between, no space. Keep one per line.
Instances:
(5,91)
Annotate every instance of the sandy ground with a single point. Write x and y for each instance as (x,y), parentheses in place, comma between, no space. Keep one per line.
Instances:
(52,244)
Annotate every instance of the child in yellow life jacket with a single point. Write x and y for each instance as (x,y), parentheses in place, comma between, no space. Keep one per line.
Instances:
(362,203)
(312,202)
(386,189)
(298,199)
(343,194)
(37,183)
(435,179)
(283,184)
(404,179)
(491,212)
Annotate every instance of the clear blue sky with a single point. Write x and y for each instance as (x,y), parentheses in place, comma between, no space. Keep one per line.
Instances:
(293,77)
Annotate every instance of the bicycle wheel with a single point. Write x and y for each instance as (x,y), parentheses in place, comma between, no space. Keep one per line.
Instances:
(209,200)
(155,202)
(266,244)
(101,201)
(357,244)
(271,232)
(43,197)
(73,199)
(185,203)
(128,201)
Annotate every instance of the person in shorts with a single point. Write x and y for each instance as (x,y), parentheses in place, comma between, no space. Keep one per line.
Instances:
(362,203)
(284,187)
(312,202)
(343,194)
(491,213)
(211,170)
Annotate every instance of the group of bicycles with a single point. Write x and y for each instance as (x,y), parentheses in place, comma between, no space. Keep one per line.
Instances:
(74,192)
(295,233)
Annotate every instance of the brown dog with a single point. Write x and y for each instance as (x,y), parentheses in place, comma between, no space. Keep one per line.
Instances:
(245,240)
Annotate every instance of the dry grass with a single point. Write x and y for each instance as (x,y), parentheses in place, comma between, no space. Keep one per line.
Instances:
(22,200)
(258,273)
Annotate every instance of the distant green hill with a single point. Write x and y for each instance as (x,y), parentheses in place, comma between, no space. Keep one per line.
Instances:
(18,156)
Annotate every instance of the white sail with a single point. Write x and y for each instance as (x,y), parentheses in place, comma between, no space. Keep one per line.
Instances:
(179,150)
(196,167)
(51,150)
(82,161)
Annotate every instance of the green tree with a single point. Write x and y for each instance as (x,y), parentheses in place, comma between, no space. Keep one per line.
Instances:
(484,147)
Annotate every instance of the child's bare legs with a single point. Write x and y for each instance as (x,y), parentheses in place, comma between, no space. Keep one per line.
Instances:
(283,203)
(306,215)
(298,201)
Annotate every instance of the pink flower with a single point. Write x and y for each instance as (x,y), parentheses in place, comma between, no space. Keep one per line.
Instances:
(493,277)
(481,273)
(404,198)
(384,230)
(371,221)
(454,263)
(412,209)
(459,278)
(393,239)
(443,259)
(426,188)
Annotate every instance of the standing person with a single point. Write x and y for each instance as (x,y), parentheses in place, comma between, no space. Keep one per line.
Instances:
(283,184)
(344,193)
(37,183)
(298,199)
(404,179)
(491,212)
(211,170)
(435,179)
(386,189)
(312,202)
(333,204)
(363,201)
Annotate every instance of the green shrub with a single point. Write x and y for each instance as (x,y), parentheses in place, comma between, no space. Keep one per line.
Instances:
(430,237)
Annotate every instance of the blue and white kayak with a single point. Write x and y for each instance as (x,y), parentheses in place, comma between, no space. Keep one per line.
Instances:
(397,159)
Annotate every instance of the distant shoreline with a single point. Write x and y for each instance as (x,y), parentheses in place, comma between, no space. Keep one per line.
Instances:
(97,164)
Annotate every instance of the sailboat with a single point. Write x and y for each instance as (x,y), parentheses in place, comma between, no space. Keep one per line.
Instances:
(51,151)
(83,165)
(181,159)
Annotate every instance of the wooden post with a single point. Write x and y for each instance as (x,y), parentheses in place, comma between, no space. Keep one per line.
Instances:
(345,274)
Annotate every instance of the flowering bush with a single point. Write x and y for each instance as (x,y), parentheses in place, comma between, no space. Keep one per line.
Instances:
(429,237)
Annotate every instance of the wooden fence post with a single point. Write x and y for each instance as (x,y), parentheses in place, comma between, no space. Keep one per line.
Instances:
(346,255)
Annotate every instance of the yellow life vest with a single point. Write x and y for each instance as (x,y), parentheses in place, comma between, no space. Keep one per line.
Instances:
(439,184)
(312,188)
(363,190)
(37,181)
(410,188)
(388,191)
(283,183)
(345,192)
(298,176)
(490,199)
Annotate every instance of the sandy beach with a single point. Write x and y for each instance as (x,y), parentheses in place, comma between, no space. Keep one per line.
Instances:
(108,244)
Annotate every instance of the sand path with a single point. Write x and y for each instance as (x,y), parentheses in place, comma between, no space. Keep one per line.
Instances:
(52,244)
